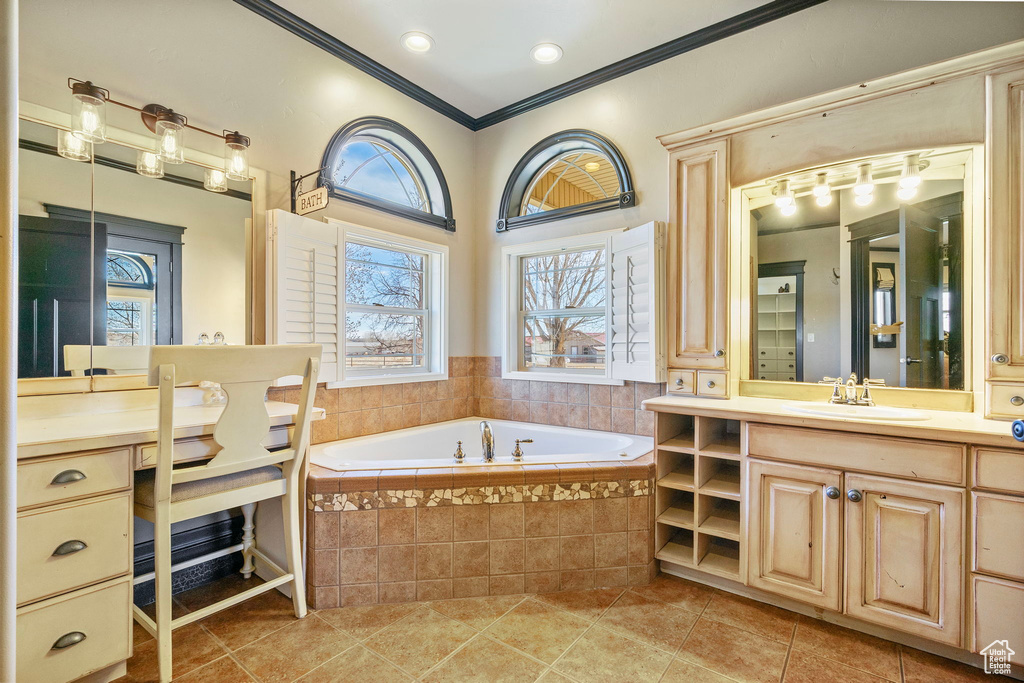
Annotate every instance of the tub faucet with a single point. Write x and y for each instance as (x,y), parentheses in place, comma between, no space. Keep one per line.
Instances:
(487,440)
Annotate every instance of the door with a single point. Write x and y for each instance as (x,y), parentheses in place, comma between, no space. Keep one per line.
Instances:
(794,532)
(162,293)
(921,299)
(60,263)
(698,263)
(904,550)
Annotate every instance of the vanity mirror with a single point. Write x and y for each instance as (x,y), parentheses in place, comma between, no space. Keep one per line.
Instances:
(113,261)
(858,267)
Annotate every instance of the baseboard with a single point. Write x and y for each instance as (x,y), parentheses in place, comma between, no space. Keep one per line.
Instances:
(192,543)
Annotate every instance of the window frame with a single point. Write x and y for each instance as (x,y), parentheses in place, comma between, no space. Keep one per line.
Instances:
(513,326)
(435,292)
(422,163)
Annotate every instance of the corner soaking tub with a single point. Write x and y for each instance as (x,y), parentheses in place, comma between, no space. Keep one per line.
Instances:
(434,446)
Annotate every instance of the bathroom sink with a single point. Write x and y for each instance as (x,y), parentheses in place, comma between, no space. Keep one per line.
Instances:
(858,412)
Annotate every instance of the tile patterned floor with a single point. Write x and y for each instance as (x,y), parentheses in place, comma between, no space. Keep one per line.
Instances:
(673,631)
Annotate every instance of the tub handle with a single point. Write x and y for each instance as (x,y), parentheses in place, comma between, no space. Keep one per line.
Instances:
(517,453)
(459,455)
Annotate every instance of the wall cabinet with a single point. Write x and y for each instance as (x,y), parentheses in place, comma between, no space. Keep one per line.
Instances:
(698,261)
(794,524)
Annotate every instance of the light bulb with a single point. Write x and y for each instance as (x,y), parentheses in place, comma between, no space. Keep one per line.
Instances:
(906,193)
(865,185)
(788,209)
(823,200)
(821,186)
(170,127)
(910,178)
(149,164)
(546,53)
(72,147)
(236,156)
(417,41)
(864,199)
(215,180)
(783,195)
(88,113)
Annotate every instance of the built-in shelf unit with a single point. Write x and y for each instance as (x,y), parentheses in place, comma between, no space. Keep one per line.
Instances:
(699,493)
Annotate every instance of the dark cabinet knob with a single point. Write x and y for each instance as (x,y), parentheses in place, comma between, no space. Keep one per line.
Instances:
(854,495)
(832,493)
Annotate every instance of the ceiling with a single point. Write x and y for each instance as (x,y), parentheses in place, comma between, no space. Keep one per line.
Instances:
(481,56)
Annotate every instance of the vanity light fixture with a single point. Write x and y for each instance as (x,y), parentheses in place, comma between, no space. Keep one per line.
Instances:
(70,146)
(546,53)
(88,113)
(864,189)
(89,126)
(215,180)
(417,41)
(784,198)
(910,178)
(822,190)
(149,164)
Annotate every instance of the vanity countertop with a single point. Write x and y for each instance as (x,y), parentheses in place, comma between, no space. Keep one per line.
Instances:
(67,432)
(940,426)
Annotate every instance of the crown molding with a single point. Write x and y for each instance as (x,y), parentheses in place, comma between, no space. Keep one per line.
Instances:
(315,35)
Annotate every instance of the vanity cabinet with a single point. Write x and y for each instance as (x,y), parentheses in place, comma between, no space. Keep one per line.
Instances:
(698,263)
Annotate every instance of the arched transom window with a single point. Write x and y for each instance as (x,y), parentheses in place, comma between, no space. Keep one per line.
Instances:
(379,163)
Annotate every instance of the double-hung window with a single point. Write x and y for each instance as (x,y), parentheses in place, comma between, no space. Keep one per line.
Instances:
(374,300)
(585,308)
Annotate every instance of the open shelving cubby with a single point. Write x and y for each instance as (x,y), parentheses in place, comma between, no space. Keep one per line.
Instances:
(699,493)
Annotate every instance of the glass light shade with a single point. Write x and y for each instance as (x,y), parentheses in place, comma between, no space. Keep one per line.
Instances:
(783,195)
(89,118)
(236,161)
(906,193)
(823,200)
(788,209)
(865,185)
(215,180)
(910,178)
(170,143)
(821,187)
(149,164)
(864,199)
(72,147)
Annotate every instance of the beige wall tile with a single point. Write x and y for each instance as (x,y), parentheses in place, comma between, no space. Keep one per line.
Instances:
(541,519)
(575,517)
(576,552)
(471,558)
(433,561)
(398,592)
(396,526)
(470,522)
(433,525)
(600,418)
(610,550)
(507,556)
(506,520)
(542,554)
(507,585)
(358,565)
(357,528)
(470,587)
(610,514)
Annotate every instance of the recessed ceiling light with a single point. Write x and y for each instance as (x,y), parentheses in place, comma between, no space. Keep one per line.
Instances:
(592,167)
(546,53)
(417,41)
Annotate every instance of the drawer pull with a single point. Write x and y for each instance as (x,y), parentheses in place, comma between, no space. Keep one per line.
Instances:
(68,639)
(719,353)
(832,493)
(711,384)
(679,382)
(69,548)
(854,495)
(68,477)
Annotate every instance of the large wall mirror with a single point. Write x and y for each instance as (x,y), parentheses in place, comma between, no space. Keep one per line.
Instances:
(112,261)
(859,268)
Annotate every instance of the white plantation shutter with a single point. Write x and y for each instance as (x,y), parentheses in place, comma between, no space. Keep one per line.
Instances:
(307,282)
(636,349)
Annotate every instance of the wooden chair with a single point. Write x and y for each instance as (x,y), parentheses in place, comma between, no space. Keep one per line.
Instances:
(241,474)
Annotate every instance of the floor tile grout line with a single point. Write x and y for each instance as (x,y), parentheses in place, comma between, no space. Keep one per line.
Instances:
(230,652)
(789,652)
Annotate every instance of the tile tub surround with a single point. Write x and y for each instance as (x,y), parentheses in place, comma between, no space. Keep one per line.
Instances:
(475,387)
(412,535)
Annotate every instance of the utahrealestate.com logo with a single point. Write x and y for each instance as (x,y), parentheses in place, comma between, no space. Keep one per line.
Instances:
(997,657)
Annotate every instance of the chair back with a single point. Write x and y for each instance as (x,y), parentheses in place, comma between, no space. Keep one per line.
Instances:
(244,373)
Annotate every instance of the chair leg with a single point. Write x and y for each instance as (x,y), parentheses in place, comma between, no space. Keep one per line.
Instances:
(162,562)
(293,549)
(248,538)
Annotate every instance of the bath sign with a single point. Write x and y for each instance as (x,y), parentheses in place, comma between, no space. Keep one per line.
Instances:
(311,201)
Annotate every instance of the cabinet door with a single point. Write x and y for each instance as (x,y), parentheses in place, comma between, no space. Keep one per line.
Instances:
(904,550)
(1006,230)
(793,532)
(697,257)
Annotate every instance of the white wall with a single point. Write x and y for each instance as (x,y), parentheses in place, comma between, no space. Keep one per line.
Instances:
(835,44)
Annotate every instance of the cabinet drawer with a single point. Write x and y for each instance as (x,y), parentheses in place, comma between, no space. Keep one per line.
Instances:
(681,381)
(907,458)
(1004,400)
(766,366)
(102,614)
(999,470)
(714,384)
(201,448)
(67,477)
(767,353)
(997,606)
(999,535)
(103,525)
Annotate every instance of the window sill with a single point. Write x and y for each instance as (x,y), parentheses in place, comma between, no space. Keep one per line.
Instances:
(569,378)
(374,380)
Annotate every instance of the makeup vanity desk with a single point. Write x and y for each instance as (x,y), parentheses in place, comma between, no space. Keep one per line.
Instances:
(908,530)
(76,458)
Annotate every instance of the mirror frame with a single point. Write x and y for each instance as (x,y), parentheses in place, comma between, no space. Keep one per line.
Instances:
(255,249)
(540,155)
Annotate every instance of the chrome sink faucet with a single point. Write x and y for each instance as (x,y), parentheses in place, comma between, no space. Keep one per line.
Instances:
(846,394)
(487,441)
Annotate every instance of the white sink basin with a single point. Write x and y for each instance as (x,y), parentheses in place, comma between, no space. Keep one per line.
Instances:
(858,412)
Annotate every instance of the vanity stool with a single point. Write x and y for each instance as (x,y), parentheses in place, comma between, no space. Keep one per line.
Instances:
(241,474)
